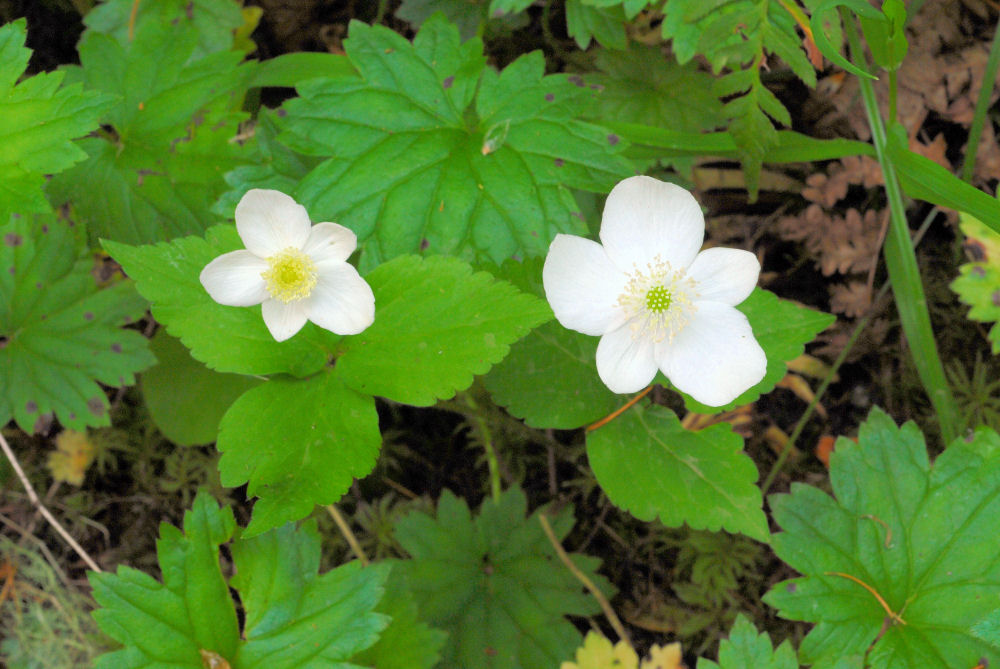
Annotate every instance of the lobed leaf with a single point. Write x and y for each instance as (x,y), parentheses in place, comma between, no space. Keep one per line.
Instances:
(746,649)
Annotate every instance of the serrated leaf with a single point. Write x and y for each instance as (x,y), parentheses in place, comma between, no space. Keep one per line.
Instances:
(782,328)
(606,25)
(227,339)
(436,325)
(746,649)
(295,616)
(185,399)
(407,643)
(467,15)
(922,537)
(60,333)
(497,567)
(428,151)
(38,120)
(652,467)
(156,176)
(169,624)
(298,443)
(597,652)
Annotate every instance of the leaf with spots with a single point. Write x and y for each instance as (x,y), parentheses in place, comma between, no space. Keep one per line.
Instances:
(38,121)
(903,560)
(60,332)
(498,567)
(650,465)
(429,150)
(156,173)
(978,283)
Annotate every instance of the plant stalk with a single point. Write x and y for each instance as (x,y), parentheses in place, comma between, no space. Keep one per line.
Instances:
(982,107)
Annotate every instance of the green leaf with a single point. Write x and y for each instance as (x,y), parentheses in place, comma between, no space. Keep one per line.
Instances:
(585,22)
(291,69)
(157,174)
(649,465)
(185,399)
(227,339)
(168,624)
(407,643)
(922,537)
(746,649)
(212,21)
(296,617)
(436,325)
(495,584)
(60,333)
(978,283)
(428,151)
(822,12)
(298,443)
(782,328)
(923,179)
(38,120)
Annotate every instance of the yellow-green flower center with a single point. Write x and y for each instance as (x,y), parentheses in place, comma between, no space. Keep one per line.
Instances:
(290,276)
(658,301)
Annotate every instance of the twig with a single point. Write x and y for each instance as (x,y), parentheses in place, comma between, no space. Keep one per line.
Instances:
(345,530)
(609,613)
(610,417)
(41,507)
(892,614)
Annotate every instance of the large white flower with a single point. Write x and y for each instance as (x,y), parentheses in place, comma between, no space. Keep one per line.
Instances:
(655,301)
(295,270)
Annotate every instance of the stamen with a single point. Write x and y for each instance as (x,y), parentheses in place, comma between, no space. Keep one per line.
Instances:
(291,275)
(659,301)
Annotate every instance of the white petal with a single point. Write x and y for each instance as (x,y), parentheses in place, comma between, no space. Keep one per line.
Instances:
(582,285)
(342,301)
(644,217)
(269,221)
(283,319)
(715,358)
(234,279)
(625,363)
(725,275)
(330,243)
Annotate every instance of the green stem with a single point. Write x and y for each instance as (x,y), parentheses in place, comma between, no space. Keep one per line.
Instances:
(487,438)
(982,106)
(901,263)
(892,96)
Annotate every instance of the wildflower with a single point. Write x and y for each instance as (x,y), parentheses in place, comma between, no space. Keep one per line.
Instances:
(73,455)
(655,301)
(296,271)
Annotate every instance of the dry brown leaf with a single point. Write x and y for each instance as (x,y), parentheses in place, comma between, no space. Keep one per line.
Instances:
(851,299)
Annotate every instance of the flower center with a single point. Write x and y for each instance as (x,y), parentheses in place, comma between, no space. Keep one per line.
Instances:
(658,301)
(291,275)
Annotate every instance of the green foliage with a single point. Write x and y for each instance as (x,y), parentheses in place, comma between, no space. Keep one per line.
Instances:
(978,283)
(60,332)
(921,537)
(155,175)
(298,443)
(38,120)
(437,323)
(186,399)
(295,618)
(746,649)
(649,465)
(586,22)
(427,150)
(494,582)
(738,36)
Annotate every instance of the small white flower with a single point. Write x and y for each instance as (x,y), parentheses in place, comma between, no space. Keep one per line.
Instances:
(655,301)
(295,270)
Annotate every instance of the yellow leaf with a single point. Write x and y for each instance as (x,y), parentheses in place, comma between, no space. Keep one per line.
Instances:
(598,653)
(73,455)
(667,657)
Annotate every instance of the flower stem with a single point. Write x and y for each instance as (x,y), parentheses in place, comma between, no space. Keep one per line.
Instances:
(487,438)
(901,262)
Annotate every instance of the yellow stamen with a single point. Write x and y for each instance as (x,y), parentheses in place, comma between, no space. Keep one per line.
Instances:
(659,301)
(291,275)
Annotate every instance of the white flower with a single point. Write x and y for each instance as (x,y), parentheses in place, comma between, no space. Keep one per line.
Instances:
(295,270)
(655,301)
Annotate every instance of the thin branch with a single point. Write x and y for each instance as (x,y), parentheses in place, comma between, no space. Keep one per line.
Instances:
(609,612)
(610,417)
(348,534)
(41,507)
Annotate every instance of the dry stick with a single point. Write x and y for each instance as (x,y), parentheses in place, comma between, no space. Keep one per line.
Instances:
(610,417)
(41,507)
(892,614)
(609,613)
(348,534)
